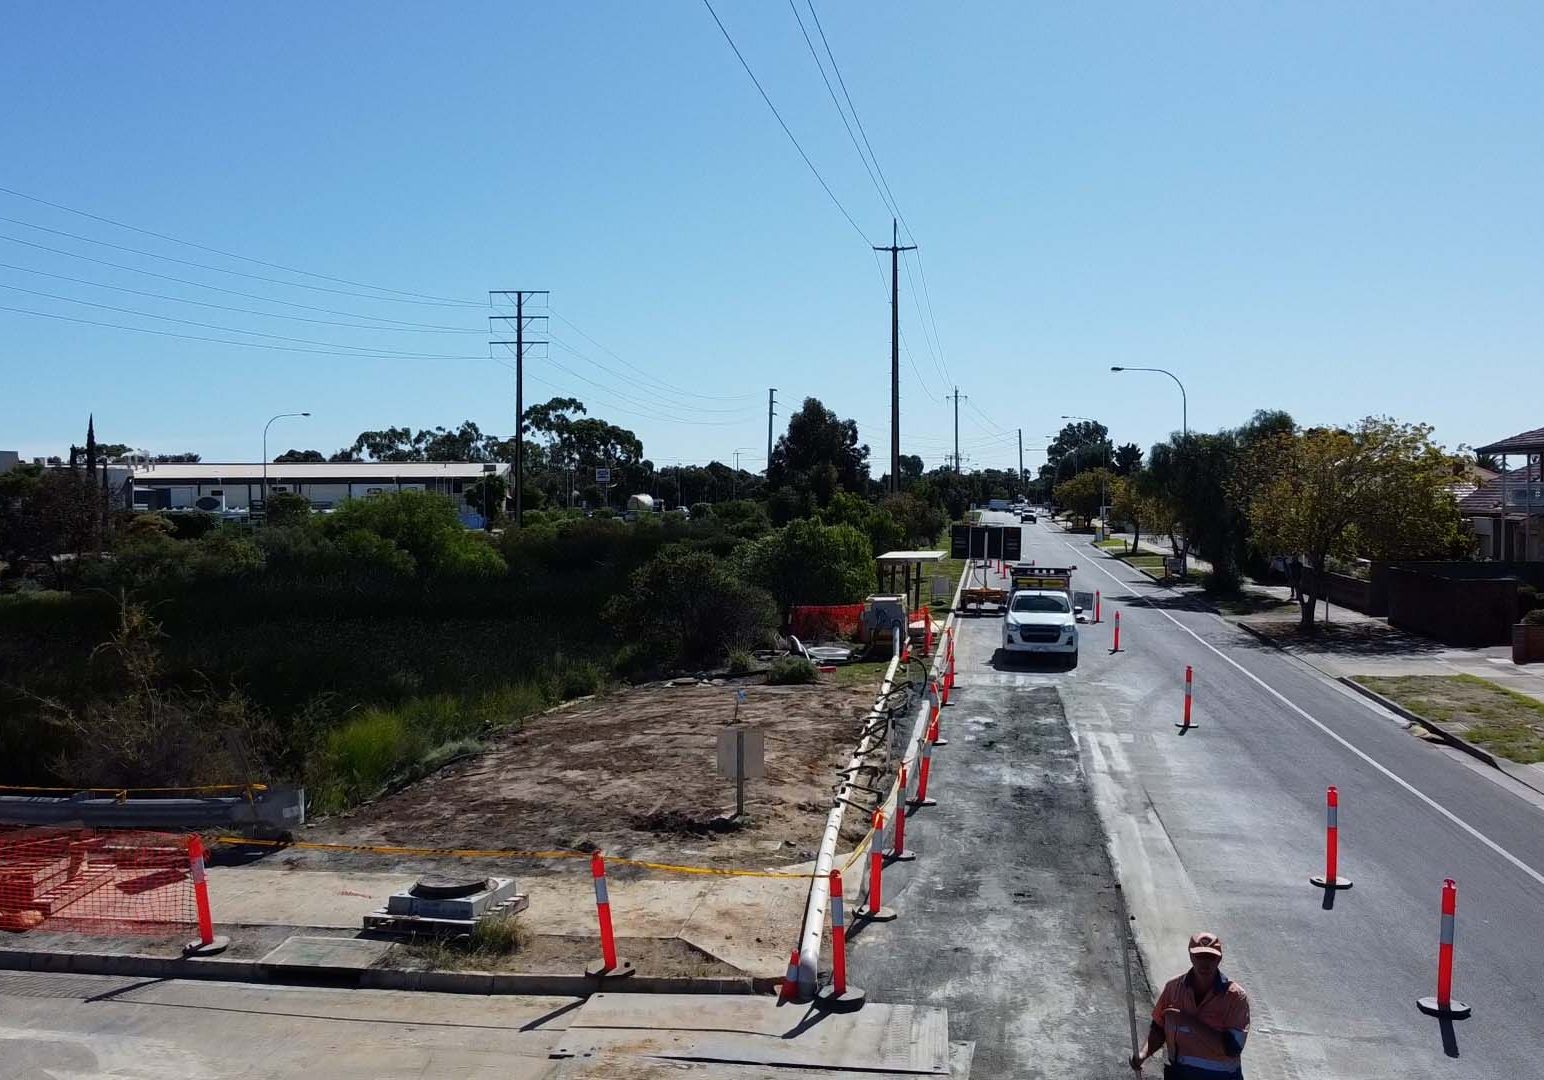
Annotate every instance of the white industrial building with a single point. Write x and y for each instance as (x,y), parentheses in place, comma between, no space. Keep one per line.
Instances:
(235,488)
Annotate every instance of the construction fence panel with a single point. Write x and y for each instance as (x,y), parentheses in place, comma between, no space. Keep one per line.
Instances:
(95,881)
(810,622)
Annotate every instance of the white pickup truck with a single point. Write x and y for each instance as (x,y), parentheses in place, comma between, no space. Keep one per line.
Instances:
(1041,617)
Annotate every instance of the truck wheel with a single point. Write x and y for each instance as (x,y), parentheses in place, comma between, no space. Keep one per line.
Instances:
(1072,661)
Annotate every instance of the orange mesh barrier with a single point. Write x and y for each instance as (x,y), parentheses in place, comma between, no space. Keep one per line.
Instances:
(91,881)
(814,623)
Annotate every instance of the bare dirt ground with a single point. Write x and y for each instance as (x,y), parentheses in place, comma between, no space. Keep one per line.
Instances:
(631,773)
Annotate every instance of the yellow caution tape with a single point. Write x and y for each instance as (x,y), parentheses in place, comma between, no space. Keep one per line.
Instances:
(510,853)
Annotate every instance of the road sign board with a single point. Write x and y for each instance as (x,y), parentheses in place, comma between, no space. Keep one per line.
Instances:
(752,756)
(603,476)
(986,542)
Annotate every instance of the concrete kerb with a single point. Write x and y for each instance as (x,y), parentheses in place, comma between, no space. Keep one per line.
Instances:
(813,933)
(444,982)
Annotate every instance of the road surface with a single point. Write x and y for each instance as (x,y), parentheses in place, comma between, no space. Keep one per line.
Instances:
(1221,828)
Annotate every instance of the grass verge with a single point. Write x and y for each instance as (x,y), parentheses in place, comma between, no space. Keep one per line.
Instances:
(1503,721)
(862,673)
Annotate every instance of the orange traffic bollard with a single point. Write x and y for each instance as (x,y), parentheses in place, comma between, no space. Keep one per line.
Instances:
(874,909)
(898,852)
(608,966)
(1098,599)
(207,944)
(1189,677)
(921,799)
(1443,1005)
(1331,880)
(838,996)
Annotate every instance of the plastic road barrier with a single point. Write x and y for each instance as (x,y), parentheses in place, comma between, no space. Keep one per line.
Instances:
(1330,880)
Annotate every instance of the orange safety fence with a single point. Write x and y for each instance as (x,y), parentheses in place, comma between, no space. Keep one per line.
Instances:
(816,622)
(94,881)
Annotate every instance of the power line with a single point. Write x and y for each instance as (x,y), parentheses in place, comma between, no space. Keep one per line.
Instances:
(889,206)
(226,254)
(221,341)
(786,131)
(233,329)
(649,392)
(893,203)
(653,378)
(233,273)
(204,285)
(408,329)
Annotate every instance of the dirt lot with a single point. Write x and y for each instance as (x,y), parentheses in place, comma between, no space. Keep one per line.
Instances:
(632,773)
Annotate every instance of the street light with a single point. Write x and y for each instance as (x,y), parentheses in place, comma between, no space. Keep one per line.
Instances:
(734,486)
(266,426)
(1184,405)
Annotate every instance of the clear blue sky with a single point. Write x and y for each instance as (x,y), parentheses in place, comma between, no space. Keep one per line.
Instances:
(1333,209)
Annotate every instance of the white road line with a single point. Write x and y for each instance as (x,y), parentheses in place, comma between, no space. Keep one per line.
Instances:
(1385,770)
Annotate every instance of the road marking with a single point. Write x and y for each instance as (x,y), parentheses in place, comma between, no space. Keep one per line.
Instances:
(1385,770)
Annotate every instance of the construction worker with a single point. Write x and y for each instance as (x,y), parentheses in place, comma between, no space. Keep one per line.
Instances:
(1202,1018)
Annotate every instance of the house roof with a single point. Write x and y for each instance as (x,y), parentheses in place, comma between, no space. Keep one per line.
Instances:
(313,471)
(1523,443)
(1485,500)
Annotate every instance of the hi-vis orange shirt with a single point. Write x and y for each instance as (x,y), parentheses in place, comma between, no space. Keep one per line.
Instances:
(1210,1052)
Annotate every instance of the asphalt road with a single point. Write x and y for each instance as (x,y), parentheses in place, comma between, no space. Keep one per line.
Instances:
(1221,828)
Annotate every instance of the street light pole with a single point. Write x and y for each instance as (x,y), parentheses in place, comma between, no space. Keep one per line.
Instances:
(266,426)
(1184,404)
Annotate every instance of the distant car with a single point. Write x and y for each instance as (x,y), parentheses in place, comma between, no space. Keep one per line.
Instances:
(1027,518)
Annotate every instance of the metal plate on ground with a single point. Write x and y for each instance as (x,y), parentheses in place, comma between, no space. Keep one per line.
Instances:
(903,1039)
(328,952)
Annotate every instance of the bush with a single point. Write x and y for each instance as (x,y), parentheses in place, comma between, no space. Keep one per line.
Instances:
(810,563)
(739,662)
(424,526)
(686,608)
(1535,617)
(287,508)
(579,679)
(791,671)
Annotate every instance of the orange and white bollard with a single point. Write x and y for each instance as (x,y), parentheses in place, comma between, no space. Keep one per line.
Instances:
(1185,725)
(789,991)
(608,966)
(207,944)
(1117,633)
(874,910)
(1098,600)
(927,632)
(934,716)
(920,799)
(838,996)
(1331,880)
(898,852)
(1443,1005)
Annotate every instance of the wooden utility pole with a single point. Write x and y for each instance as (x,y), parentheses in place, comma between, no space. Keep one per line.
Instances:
(955,397)
(771,411)
(895,248)
(520,319)
(1021,457)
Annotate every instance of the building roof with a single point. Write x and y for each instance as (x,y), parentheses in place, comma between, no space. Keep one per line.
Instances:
(1485,500)
(313,471)
(1523,443)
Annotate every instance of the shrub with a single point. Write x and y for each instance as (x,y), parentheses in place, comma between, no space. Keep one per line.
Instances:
(1535,617)
(739,662)
(790,671)
(810,563)
(287,508)
(579,679)
(424,526)
(685,607)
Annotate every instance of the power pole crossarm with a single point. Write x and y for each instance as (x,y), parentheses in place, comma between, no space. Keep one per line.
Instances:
(895,248)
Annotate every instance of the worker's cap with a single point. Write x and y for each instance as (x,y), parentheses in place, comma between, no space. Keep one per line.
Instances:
(1206,943)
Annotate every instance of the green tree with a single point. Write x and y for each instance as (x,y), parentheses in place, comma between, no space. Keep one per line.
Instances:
(809,563)
(1381,489)
(819,454)
(301,456)
(1082,494)
(1128,459)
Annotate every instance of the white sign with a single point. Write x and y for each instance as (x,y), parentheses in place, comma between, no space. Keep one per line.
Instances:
(603,476)
(751,752)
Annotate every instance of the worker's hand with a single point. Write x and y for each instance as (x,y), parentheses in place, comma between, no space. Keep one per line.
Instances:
(1136,1062)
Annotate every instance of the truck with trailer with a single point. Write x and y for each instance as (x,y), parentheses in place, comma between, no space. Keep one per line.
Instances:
(1041,617)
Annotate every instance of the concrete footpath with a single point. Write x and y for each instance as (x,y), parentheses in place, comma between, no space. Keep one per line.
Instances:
(145,1029)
